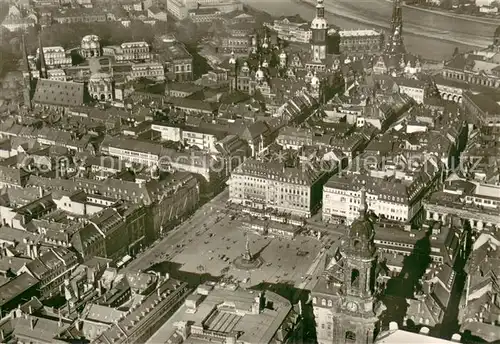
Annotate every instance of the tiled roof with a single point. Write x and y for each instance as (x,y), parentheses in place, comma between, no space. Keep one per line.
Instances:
(59,93)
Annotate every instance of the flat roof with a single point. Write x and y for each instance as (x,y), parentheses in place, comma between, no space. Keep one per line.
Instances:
(254,328)
(358,33)
(400,336)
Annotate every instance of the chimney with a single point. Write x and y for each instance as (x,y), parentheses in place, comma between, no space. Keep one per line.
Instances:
(78,323)
(35,251)
(40,192)
(32,323)
(99,287)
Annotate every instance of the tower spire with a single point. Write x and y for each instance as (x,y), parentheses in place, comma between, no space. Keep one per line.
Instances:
(395,43)
(26,65)
(362,204)
(41,56)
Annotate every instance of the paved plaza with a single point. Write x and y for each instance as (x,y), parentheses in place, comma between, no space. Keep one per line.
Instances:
(214,249)
(212,238)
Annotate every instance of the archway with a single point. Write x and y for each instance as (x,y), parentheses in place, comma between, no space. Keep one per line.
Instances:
(103,97)
(355,278)
(350,337)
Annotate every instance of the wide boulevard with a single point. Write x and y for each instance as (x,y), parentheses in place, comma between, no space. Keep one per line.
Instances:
(431,34)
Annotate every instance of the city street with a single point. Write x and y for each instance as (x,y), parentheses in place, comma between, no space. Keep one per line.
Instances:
(207,214)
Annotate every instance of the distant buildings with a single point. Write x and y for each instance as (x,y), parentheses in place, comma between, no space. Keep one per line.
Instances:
(182,9)
(360,42)
(17,20)
(293,29)
(80,15)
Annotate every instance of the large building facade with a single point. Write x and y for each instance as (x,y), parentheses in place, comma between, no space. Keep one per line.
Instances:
(293,190)
(360,42)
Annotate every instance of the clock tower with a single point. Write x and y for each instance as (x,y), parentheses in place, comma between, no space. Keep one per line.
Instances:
(344,299)
(319,31)
(355,320)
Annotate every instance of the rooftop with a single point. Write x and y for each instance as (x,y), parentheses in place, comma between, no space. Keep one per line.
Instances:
(59,93)
(358,33)
(15,287)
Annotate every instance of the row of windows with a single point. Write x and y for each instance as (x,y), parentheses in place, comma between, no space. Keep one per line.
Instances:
(182,68)
(324,302)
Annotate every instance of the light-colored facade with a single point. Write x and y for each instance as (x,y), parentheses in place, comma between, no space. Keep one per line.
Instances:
(133,51)
(292,30)
(147,70)
(56,74)
(260,185)
(192,136)
(390,199)
(180,8)
(355,42)
(476,203)
(55,57)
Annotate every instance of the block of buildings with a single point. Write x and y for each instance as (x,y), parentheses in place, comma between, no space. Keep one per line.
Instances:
(272,185)
(249,315)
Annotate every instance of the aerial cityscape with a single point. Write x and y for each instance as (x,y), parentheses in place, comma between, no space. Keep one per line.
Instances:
(249,171)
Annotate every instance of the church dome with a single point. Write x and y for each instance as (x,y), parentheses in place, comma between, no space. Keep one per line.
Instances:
(319,23)
(361,228)
(90,42)
(100,78)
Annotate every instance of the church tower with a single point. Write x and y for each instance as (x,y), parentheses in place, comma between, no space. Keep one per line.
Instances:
(41,57)
(26,76)
(395,43)
(319,29)
(355,321)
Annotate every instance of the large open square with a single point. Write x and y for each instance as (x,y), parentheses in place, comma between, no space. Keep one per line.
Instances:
(210,241)
(214,247)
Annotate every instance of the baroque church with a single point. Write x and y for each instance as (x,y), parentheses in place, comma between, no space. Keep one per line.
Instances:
(270,64)
(346,297)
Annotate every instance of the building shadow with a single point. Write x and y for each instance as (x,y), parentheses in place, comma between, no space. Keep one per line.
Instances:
(407,283)
(295,295)
(257,254)
(191,278)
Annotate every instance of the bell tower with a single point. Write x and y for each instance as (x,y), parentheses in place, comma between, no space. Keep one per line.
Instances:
(355,321)
(395,43)
(319,30)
